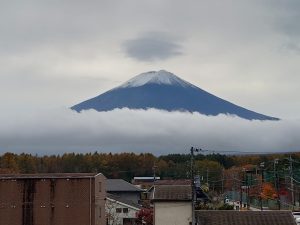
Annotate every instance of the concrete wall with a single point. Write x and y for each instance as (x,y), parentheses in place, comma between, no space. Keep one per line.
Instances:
(100,195)
(61,201)
(172,213)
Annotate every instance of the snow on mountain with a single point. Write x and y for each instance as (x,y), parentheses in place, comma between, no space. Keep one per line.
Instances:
(155,77)
(165,91)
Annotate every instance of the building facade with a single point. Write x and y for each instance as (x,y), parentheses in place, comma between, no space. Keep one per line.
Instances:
(121,211)
(172,204)
(52,199)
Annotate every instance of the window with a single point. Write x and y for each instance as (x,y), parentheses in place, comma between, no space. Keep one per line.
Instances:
(125,210)
(118,210)
(100,212)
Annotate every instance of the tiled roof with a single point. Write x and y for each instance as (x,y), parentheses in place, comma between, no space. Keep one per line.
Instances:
(47,175)
(172,193)
(115,185)
(231,217)
(125,201)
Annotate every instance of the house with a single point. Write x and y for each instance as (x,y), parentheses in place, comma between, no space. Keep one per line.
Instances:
(231,217)
(120,211)
(200,195)
(123,189)
(147,184)
(172,204)
(52,199)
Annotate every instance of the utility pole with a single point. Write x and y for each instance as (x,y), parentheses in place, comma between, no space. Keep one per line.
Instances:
(241,189)
(207,177)
(276,182)
(262,165)
(193,183)
(222,181)
(154,173)
(248,187)
(292,180)
(241,195)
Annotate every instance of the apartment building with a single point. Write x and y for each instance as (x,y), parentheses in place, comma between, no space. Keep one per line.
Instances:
(52,199)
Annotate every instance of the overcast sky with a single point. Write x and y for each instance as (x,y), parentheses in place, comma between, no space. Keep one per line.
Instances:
(55,54)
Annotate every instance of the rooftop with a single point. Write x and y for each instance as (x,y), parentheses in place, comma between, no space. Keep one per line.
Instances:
(114,185)
(124,201)
(47,175)
(232,217)
(172,193)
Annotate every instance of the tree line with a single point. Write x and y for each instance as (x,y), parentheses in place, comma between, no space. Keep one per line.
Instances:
(209,167)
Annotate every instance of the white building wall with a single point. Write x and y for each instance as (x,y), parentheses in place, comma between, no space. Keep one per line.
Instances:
(172,213)
(115,218)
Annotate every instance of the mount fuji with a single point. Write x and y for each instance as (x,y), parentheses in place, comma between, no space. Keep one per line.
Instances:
(165,91)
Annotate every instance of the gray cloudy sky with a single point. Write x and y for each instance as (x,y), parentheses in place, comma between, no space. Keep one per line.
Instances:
(55,54)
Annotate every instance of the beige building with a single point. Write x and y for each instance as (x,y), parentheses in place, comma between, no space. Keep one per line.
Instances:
(52,199)
(172,204)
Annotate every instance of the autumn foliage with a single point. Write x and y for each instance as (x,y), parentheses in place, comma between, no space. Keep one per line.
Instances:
(145,216)
(223,172)
(268,191)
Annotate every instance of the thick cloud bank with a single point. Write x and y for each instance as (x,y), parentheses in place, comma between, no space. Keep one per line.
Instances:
(153,131)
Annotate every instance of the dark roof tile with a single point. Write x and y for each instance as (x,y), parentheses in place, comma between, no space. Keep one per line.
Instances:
(115,185)
(172,193)
(228,217)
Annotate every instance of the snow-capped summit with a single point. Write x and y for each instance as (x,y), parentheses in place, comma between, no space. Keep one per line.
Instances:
(155,77)
(165,91)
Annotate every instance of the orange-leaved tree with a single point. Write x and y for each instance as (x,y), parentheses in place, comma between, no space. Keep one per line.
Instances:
(268,191)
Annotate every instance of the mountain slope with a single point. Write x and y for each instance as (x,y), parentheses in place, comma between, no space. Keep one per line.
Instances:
(164,90)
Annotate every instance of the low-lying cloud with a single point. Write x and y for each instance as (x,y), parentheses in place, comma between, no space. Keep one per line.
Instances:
(155,131)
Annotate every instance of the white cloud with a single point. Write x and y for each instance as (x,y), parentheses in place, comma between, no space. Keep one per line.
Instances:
(58,53)
(246,52)
(153,131)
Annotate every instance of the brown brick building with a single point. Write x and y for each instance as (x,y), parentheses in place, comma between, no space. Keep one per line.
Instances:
(52,199)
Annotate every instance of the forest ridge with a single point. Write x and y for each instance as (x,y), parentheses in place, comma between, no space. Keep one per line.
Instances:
(128,165)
